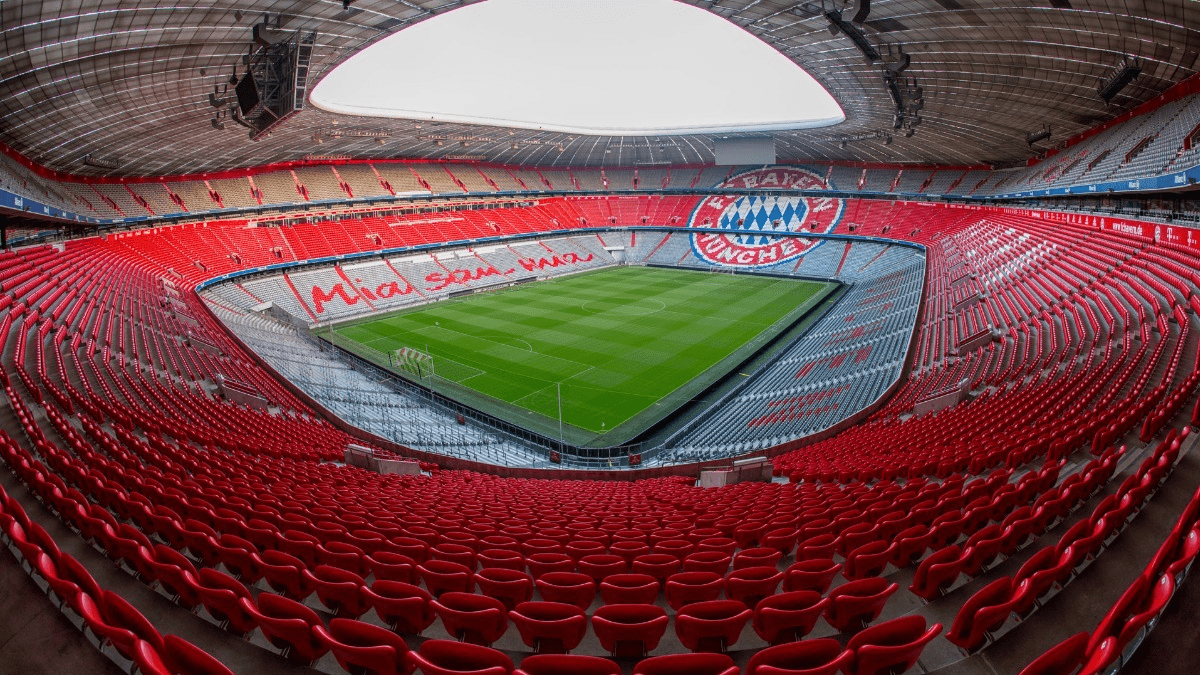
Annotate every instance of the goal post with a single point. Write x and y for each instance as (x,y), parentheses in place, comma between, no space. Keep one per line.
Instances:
(413,361)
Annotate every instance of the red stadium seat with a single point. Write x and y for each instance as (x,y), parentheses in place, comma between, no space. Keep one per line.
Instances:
(629,631)
(284,573)
(404,608)
(472,618)
(868,560)
(983,612)
(751,584)
(687,664)
(624,589)
(122,624)
(511,587)
(240,557)
(393,567)
(599,566)
(686,588)
(810,575)
(549,627)
(910,545)
(563,664)
(788,617)
(442,576)
(445,657)
(1061,659)
(756,557)
(937,572)
(221,595)
(855,604)
(544,563)
(823,656)
(184,658)
(288,625)
(712,626)
(339,590)
(819,547)
(890,647)
(364,648)
(498,558)
(657,565)
(716,562)
(171,569)
(569,587)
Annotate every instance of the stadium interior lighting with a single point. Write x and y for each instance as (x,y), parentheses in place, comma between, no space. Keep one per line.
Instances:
(627,74)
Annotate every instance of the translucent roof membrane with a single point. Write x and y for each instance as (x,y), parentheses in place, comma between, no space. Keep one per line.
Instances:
(609,67)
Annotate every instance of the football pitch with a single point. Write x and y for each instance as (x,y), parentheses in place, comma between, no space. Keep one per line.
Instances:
(620,345)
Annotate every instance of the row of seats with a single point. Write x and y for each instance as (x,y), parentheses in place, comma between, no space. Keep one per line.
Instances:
(1135,613)
(111,619)
(986,612)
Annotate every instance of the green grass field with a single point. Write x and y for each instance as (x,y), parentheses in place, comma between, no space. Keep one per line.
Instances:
(618,341)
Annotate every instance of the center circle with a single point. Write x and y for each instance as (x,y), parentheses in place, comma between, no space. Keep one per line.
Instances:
(640,307)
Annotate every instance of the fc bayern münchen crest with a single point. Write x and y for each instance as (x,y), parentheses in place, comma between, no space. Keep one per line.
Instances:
(757,219)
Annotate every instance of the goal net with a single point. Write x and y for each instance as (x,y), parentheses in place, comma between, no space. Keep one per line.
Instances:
(412,361)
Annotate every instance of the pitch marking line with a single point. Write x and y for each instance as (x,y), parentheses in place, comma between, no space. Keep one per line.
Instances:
(614,310)
(501,338)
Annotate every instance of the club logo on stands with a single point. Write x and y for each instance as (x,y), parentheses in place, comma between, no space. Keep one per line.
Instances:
(755,220)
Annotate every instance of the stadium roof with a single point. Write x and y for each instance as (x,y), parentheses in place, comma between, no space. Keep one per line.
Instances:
(129,80)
